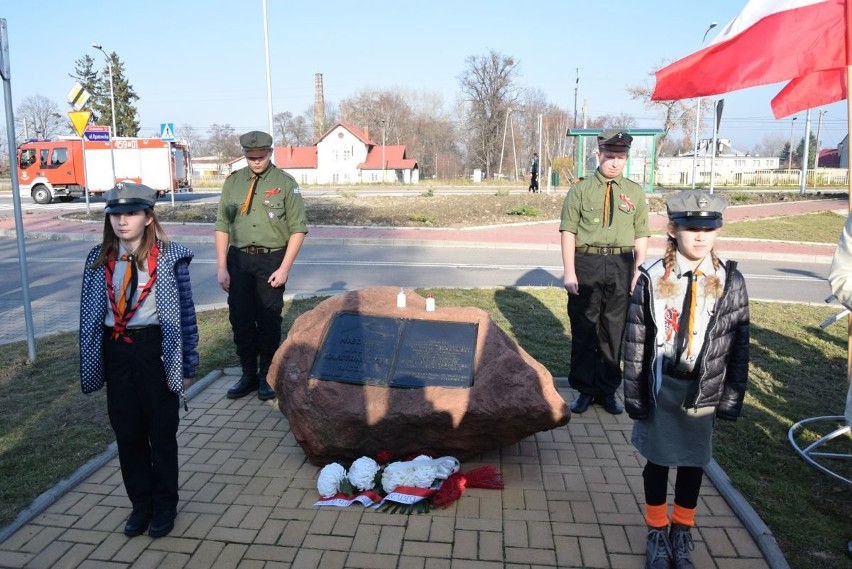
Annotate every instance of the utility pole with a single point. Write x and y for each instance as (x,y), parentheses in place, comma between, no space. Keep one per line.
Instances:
(574,124)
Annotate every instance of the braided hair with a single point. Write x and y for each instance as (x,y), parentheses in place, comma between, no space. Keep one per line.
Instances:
(668,287)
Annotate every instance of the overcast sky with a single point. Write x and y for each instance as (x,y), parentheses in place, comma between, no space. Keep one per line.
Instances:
(202,62)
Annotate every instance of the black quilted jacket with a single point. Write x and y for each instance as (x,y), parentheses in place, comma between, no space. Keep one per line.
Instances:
(722,363)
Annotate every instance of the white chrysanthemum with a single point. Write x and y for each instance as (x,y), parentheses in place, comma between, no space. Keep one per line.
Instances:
(362,473)
(410,473)
(328,482)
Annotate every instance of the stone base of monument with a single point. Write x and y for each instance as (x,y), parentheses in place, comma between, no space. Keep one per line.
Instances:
(335,416)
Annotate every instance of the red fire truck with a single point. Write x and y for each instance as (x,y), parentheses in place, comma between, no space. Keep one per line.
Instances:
(59,169)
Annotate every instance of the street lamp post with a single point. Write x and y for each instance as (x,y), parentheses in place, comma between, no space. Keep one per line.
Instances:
(111,90)
(790,152)
(383,151)
(698,115)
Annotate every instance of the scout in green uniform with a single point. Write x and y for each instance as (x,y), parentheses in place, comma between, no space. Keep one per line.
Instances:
(260,227)
(604,239)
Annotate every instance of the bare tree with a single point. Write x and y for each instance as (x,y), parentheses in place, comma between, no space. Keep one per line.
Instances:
(223,143)
(188,133)
(674,115)
(291,131)
(772,144)
(488,85)
(38,117)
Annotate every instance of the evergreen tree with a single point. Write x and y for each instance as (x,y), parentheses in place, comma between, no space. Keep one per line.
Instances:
(812,151)
(126,115)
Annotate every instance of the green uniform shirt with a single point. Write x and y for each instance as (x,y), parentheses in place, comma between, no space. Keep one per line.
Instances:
(582,212)
(277,209)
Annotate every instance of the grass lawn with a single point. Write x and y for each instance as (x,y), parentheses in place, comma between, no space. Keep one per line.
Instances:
(48,428)
(822,227)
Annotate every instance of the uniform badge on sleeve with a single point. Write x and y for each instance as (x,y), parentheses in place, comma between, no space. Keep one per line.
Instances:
(297,190)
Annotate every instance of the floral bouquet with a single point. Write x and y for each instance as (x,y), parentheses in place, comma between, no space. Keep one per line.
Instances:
(403,486)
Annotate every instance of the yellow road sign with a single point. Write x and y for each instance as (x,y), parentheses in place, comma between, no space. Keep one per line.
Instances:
(78,96)
(80,119)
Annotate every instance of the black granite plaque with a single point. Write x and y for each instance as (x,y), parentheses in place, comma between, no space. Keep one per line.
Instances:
(396,352)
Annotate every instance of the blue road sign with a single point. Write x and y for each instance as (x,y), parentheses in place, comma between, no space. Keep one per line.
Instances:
(167,131)
(96,135)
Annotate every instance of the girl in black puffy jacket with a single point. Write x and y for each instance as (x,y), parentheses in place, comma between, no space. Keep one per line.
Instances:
(686,363)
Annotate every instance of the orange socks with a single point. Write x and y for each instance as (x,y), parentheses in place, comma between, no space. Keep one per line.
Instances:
(683,516)
(656,516)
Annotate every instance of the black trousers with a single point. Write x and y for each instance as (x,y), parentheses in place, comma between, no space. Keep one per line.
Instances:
(144,415)
(255,307)
(598,315)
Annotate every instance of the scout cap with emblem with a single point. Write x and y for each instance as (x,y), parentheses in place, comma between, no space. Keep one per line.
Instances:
(256,143)
(127,196)
(615,140)
(696,208)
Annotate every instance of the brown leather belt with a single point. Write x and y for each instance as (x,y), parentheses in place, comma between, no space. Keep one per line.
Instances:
(258,250)
(594,250)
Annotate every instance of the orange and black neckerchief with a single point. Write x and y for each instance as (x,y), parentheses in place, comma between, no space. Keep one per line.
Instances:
(123,309)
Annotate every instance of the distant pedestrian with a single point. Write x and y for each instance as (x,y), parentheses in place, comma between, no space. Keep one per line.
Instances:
(533,173)
(686,362)
(604,236)
(260,227)
(138,336)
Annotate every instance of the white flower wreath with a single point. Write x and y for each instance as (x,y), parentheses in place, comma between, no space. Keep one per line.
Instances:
(362,473)
(330,477)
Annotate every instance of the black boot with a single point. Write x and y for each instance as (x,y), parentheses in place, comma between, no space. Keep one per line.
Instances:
(264,392)
(247,382)
(682,544)
(658,552)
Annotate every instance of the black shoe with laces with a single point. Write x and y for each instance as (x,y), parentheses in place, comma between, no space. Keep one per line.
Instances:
(162,523)
(137,523)
(657,549)
(681,541)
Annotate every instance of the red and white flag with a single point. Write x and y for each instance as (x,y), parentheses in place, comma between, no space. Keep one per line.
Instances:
(800,41)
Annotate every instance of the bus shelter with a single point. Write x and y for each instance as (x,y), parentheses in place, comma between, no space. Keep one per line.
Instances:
(641,160)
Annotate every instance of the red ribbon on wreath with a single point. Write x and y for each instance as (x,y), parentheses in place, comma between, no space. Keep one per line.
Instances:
(453,487)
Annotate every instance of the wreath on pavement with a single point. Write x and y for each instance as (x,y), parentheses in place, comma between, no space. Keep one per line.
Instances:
(406,486)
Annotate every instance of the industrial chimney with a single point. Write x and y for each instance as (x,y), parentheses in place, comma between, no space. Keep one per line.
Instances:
(319,107)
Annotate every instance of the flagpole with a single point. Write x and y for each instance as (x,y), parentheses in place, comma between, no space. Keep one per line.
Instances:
(849,178)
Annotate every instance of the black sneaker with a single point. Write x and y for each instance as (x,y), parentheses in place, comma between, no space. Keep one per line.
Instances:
(247,383)
(137,523)
(162,523)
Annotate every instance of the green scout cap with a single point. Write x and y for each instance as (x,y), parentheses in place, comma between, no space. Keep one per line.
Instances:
(255,140)
(127,196)
(615,140)
(696,208)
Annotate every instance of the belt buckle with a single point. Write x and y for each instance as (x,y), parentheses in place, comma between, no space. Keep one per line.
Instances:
(606,250)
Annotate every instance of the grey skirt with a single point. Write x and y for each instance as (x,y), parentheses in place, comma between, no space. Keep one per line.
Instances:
(674,436)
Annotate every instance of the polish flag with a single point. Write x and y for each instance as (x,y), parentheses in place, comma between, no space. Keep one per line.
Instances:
(800,41)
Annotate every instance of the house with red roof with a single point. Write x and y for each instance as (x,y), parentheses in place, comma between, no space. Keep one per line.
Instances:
(345,155)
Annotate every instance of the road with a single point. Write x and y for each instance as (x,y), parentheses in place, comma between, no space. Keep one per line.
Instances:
(55,269)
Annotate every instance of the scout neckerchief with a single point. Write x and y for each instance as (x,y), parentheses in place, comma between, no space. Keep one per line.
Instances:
(607,206)
(123,309)
(247,204)
(686,326)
